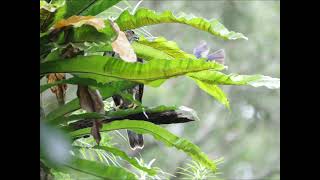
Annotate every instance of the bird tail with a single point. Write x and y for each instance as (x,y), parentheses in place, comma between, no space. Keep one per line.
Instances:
(135,140)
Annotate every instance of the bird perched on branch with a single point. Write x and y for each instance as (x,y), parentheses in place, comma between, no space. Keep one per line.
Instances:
(135,140)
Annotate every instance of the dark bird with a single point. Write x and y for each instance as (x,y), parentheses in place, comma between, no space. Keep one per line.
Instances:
(135,140)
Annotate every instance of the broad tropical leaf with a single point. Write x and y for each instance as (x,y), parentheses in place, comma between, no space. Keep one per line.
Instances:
(158,133)
(145,17)
(138,72)
(99,170)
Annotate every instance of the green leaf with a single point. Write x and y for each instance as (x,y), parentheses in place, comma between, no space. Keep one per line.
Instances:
(158,133)
(132,161)
(99,170)
(138,72)
(73,80)
(145,17)
(87,7)
(214,91)
(48,12)
(159,48)
(215,77)
(87,33)
(106,92)
(269,82)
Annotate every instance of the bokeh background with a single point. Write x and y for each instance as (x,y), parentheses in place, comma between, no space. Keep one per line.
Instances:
(248,136)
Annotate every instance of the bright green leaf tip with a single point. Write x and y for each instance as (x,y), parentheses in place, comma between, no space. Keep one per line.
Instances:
(158,133)
(145,17)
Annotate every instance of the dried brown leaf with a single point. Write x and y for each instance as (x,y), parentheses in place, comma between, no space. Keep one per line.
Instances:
(91,101)
(95,131)
(59,90)
(122,45)
(77,21)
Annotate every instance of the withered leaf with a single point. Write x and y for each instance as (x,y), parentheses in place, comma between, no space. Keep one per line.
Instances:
(122,45)
(91,101)
(95,131)
(59,90)
(77,21)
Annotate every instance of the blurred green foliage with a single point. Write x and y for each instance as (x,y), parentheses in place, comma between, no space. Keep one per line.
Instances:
(248,137)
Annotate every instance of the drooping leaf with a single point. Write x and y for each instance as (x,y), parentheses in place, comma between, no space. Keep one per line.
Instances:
(106,92)
(145,17)
(122,46)
(138,72)
(123,155)
(215,77)
(158,133)
(99,170)
(214,91)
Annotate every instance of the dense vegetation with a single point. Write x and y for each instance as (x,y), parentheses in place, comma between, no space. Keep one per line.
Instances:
(74,50)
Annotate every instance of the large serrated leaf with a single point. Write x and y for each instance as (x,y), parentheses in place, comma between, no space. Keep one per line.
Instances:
(138,72)
(158,133)
(145,17)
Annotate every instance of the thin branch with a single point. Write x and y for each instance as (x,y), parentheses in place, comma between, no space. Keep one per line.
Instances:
(166,117)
